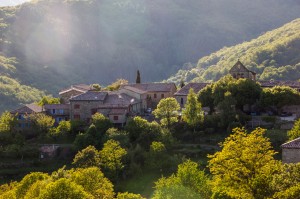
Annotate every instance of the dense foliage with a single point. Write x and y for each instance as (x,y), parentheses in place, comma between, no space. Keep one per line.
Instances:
(273,55)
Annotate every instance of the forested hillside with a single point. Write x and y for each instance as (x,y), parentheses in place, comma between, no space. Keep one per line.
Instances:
(55,43)
(273,55)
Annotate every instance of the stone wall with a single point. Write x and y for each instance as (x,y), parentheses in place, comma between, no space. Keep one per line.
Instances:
(290,155)
(85,109)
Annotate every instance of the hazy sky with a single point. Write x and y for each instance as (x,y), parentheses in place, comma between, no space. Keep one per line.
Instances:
(11,2)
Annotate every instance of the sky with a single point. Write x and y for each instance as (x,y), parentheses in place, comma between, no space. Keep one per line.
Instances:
(11,2)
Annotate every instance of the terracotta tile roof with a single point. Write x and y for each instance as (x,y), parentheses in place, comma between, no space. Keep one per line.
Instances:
(271,83)
(196,86)
(28,108)
(294,144)
(90,96)
(150,87)
(56,106)
(79,87)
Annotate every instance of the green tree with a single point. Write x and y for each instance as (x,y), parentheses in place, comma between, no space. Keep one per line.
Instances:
(111,157)
(63,128)
(64,188)
(28,181)
(94,182)
(96,87)
(227,110)
(135,127)
(88,157)
(245,92)
(116,85)
(42,122)
(101,122)
(127,195)
(166,111)
(193,114)
(295,131)
(157,156)
(205,97)
(48,100)
(7,122)
(279,96)
(138,77)
(188,182)
(245,165)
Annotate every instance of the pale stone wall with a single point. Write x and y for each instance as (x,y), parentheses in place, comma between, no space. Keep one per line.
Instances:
(290,155)
(85,110)
(184,99)
(121,119)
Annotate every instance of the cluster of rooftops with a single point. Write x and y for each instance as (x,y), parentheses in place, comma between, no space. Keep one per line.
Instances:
(82,101)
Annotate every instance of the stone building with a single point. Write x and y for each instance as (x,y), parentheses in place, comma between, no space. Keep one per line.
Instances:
(240,71)
(22,114)
(83,106)
(72,91)
(291,151)
(149,93)
(115,105)
(181,94)
(59,112)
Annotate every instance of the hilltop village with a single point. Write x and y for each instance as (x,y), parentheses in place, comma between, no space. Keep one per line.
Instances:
(150,129)
(81,102)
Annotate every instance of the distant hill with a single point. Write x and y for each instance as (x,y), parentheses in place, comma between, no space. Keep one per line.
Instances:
(11,2)
(273,55)
(55,43)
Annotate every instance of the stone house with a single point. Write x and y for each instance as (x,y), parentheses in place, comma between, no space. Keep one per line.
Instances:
(149,93)
(72,91)
(114,105)
(181,94)
(291,151)
(118,106)
(48,151)
(22,114)
(272,83)
(59,112)
(240,71)
(83,106)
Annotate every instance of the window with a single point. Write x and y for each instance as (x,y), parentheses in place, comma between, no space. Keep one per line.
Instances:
(154,95)
(116,117)
(93,111)
(20,117)
(76,106)
(76,117)
(162,95)
(181,101)
(53,111)
(61,111)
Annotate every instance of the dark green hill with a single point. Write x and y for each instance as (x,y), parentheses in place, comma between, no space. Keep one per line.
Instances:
(273,55)
(58,42)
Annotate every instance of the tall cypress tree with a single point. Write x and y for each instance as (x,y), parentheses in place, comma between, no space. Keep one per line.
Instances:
(138,77)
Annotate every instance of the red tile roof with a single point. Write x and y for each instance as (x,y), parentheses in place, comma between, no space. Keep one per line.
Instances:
(196,86)
(294,144)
